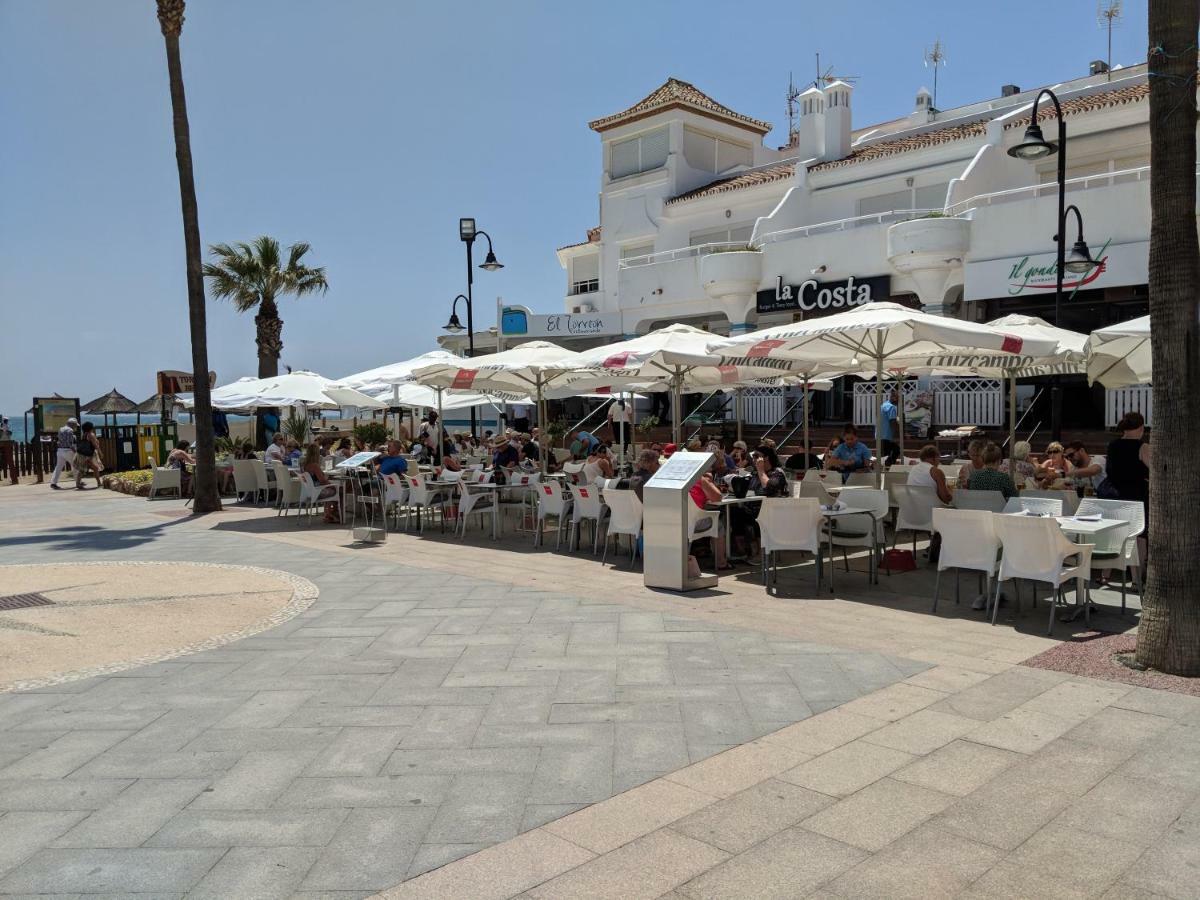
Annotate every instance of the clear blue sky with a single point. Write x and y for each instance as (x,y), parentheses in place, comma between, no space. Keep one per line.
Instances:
(367,127)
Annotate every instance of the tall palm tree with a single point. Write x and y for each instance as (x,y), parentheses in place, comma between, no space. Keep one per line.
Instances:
(254,275)
(1169,633)
(207,498)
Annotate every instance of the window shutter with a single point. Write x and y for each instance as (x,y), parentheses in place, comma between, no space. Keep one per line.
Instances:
(585,268)
(655,145)
(931,196)
(730,155)
(624,158)
(699,150)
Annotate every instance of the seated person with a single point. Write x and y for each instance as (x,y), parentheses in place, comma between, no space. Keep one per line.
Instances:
(598,465)
(928,473)
(530,451)
(1054,466)
(293,452)
(392,463)
(851,455)
(669,450)
(450,456)
(311,463)
(583,444)
(722,463)
(702,493)
(1085,468)
(741,459)
(343,451)
(990,478)
(276,450)
(975,455)
(827,458)
(504,458)
(1019,466)
(770,480)
(647,465)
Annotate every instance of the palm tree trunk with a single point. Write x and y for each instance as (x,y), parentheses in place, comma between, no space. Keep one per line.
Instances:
(207,499)
(1169,634)
(269,337)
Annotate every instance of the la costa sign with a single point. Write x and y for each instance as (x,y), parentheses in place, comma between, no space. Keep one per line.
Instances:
(823,297)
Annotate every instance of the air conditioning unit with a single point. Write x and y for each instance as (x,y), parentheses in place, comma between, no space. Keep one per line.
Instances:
(583,309)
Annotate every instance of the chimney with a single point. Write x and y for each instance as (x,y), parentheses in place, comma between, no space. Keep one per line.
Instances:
(810,132)
(1009,90)
(1097,67)
(837,120)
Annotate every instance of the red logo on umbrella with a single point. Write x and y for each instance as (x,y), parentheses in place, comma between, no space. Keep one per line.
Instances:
(1011,344)
(763,348)
(728,374)
(464,379)
(617,360)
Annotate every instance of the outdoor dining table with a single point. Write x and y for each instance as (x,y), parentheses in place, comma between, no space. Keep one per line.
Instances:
(834,512)
(725,505)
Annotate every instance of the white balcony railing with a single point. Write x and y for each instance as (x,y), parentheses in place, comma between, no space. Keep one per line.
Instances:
(697,250)
(1050,188)
(883,218)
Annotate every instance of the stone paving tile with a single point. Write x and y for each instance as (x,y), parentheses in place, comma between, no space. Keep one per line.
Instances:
(738,822)
(735,770)
(262,873)
(42,795)
(958,768)
(372,850)
(927,862)
(922,732)
(661,860)
(847,769)
(249,828)
(605,826)
(136,815)
(1170,868)
(790,864)
(1135,810)
(24,833)
(1079,858)
(140,870)
(877,815)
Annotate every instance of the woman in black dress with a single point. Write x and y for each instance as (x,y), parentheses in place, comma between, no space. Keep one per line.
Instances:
(1128,463)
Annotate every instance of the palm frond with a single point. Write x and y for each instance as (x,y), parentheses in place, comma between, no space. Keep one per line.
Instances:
(246,273)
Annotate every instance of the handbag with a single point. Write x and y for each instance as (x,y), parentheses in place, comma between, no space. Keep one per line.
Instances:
(85,448)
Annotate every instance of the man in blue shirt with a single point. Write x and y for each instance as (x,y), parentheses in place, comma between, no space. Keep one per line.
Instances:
(392,463)
(851,455)
(889,428)
(583,445)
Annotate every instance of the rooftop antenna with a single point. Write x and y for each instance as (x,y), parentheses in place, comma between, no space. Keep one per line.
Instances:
(827,77)
(935,56)
(1107,14)
(793,109)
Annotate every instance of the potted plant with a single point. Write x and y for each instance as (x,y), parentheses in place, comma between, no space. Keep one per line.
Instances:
(296,427)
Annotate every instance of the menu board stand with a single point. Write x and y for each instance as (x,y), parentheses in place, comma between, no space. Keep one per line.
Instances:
(666,522)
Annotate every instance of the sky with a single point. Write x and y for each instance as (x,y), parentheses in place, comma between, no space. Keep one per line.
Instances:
(368,127)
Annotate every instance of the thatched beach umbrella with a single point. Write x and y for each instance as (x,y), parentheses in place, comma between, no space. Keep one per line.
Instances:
(114,403)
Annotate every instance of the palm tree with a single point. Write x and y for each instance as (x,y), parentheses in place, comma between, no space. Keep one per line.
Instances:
(207,498)
(1169,633)
(253,275)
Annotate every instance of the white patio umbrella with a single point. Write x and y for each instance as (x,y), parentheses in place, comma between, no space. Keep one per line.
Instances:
(1120,355)
(527,369)
(677,354)
(1067,358)
(378,382)
(297,388)
(868,338)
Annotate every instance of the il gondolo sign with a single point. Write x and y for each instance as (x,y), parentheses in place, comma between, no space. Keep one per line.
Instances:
(822,298)
(1034,273)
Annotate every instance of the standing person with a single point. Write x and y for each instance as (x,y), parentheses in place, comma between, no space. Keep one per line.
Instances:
(87,455)
(520,417)
(660,406)
(889,428)
(65,455)
(620,424)
(1128,461)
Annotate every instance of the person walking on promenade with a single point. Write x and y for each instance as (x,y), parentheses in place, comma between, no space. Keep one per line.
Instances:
(66,450)
(87,455)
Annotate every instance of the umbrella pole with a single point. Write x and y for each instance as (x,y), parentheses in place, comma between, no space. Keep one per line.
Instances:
(807,400)
(900,383)
(441,426)
(878,404)
(546,450)
(1012,418)
(737,402)
(677,419)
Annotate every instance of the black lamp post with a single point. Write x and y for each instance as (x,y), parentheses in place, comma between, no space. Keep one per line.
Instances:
(1033,147)
(467,233)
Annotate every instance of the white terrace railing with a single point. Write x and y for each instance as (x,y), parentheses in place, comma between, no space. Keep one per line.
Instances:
(1137,398)
(662,256)
(1050,188)
(956,401)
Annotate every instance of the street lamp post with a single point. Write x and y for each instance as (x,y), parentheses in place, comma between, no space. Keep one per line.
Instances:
(467,233)
(1033,147)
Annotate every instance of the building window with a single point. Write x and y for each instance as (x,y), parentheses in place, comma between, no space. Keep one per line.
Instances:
(585,274)
(635,250)
(712,154)
(639,154)
(737,234)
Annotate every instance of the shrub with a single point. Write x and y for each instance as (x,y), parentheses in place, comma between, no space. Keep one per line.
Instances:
(371,433)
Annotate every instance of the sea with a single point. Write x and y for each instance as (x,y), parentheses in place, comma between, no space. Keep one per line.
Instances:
(18,423)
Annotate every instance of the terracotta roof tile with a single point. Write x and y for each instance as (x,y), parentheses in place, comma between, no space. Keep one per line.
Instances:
(753,178)
(593,237)
(1076,105)
(676,93)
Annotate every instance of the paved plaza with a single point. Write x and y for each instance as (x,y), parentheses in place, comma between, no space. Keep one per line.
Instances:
(467,720)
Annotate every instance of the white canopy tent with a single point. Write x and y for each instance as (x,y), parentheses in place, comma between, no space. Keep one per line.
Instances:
(378,382)
(1120,355)
(869,338)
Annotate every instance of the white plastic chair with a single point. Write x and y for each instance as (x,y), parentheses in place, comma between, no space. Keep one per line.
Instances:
(789,524)
(864,530)
(1118,548)
(519,494)
(891,480)
(1040,506)
(1069,499)
(861,479)
(265,484)
(624,517)
(968,542)
(310,495)
(395,496)
(585,507)
(1037,550)
(288,489)
(703,523)
(422,497)
(561,455)
(551,502)
(164,480)
(811,487)
(915,506)
(245,479)
(989,501)
(479,501)
(573,471)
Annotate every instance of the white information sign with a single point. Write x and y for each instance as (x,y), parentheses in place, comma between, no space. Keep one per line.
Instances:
(679,469)
(358,459)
